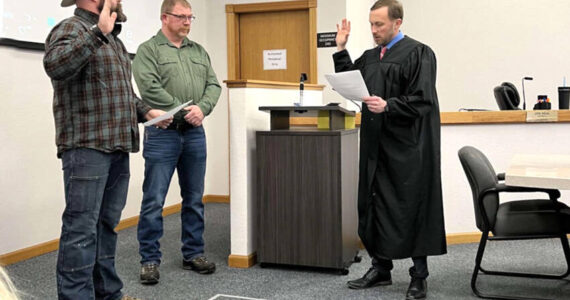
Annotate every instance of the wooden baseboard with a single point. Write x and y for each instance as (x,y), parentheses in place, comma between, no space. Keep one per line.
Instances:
(463,238)
(27,253)
(216,199)
(234,261)
(53,245)
(133,221)
(242,261)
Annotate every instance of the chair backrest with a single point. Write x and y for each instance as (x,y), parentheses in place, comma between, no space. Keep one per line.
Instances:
(507,96)
(481,176)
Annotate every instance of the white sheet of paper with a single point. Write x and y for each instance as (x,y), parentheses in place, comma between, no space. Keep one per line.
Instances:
(167,115)
(349,84)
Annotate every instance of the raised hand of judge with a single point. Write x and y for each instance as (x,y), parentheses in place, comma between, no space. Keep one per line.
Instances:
(342,33)
(107,17)
(375,104)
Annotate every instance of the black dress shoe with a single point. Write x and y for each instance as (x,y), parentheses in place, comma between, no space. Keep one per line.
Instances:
(417,289)
(372,278)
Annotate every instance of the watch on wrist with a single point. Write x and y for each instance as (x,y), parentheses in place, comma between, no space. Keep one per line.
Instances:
(95,29)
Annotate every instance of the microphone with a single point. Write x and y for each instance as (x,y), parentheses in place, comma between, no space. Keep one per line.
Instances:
(524,98)
(302,87)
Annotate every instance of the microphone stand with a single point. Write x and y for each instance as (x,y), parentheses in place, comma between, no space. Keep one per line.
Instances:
(301,88)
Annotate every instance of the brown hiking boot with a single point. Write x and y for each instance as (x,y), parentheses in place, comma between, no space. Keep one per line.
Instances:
(200,265)
(149,274)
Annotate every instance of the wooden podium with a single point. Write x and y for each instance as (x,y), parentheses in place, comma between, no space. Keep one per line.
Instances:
(328,117)
(307,191)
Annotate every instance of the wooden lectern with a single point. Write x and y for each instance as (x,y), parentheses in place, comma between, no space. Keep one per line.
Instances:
(307,190)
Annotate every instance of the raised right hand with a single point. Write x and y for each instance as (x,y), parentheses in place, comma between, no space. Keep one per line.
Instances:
(342,33)
(107,18)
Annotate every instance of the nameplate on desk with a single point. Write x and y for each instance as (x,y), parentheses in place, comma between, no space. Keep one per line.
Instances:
(538,116)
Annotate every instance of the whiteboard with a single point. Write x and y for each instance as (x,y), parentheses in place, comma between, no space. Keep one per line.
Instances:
(23,21)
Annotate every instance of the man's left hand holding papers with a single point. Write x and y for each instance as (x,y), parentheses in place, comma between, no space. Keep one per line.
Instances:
(155,113)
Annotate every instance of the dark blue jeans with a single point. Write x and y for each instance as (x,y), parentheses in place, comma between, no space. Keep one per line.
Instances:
(164,151)
(96,185)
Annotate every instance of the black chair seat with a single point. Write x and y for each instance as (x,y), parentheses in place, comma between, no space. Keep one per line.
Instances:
(529,218)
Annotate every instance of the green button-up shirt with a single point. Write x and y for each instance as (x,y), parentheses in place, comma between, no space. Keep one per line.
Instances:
(168,76)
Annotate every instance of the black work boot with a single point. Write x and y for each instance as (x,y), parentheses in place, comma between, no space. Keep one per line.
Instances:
(149,274)
(200,265)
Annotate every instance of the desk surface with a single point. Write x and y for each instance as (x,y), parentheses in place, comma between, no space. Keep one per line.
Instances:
(542,171)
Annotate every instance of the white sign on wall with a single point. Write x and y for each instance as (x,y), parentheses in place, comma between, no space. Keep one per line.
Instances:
(275,59)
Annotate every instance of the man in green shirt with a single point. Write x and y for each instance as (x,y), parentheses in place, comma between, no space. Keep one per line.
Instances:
(170,70)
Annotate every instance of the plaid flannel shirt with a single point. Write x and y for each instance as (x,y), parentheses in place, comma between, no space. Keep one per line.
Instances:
(94,104)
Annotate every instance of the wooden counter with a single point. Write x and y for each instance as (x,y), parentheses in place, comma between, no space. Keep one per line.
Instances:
(467,117)
(493,117)
(251,83)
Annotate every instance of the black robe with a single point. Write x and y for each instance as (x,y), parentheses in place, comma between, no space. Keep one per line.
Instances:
(400,207)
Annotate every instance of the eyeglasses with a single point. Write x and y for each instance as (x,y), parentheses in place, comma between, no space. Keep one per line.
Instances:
(182,18)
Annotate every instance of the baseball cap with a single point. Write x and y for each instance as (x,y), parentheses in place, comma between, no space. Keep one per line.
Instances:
(65,3)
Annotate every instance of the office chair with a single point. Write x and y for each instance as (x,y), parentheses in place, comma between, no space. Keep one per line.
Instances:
(513,220)
(507,96)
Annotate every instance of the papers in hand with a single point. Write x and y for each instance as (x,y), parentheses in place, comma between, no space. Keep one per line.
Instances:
(349,84)
(167,115)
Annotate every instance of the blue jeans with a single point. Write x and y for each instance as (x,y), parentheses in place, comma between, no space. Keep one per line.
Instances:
(96,186)
(164,151)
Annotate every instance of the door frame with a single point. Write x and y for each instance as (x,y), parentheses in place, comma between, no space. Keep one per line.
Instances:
(233,12)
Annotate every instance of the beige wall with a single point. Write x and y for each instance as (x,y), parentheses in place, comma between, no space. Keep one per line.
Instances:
(480,44)
(471,42)
(31,179)
(31,188)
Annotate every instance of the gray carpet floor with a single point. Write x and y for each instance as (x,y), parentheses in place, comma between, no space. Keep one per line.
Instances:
(450,274)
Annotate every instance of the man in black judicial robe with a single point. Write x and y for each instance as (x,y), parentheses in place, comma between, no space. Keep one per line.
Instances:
(399,196)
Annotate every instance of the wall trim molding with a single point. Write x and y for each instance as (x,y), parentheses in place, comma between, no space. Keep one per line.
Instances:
(265,84)
(234,261)
(53,245)
(463,238)
(216,199)
(242,261)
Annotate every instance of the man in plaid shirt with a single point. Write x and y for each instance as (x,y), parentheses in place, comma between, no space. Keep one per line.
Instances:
(96,113)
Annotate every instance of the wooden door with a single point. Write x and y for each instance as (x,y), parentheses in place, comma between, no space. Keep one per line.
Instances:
(254,28)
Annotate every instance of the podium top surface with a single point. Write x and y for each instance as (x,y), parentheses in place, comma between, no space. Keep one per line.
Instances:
(302,109)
